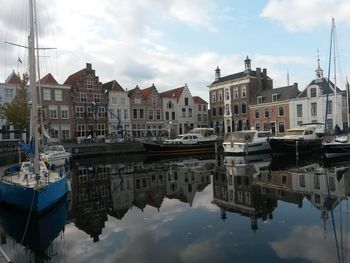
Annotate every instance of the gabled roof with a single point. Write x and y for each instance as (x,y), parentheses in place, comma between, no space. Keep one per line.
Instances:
(199,100)
(323,86)
(72,79)
(112,86)
(174,93)
(48,79)
(13,79)
(147,91)
(283,93)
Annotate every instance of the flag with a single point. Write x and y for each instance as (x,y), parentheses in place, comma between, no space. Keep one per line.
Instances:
(19,60)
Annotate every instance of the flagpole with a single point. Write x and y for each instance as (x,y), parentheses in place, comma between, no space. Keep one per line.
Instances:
(347,102)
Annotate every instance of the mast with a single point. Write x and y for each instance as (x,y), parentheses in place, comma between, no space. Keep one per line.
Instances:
(347,103)
(335,75)
(32,78)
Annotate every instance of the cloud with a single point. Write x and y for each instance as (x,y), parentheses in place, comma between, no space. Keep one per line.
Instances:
(308,243)
(300,15)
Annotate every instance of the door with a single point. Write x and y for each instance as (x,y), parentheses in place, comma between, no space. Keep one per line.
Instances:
(273,128)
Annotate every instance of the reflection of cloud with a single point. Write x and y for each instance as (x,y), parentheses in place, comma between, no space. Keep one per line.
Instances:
(202,251)
(308,243)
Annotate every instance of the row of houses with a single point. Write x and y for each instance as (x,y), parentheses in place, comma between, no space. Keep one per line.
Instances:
(247,99)
(84,106)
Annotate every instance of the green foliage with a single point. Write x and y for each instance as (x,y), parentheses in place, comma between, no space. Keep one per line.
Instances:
(17,112)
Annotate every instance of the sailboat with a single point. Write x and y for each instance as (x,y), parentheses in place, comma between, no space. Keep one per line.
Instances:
(339,146)
(31,185)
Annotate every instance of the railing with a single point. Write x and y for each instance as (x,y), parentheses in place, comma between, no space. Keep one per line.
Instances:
(9,146)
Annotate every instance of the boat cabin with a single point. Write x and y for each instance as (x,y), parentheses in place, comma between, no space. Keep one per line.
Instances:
(247,136)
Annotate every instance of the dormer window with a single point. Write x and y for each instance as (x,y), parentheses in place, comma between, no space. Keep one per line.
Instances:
(259,99)
(274,97)
(313,93)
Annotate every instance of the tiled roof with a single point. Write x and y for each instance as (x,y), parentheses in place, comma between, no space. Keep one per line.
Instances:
(323,85)
(13,79)
(72,79)
(145,92)
(174,93)
(199,100)
(48,79)
(283,93)
(112,86)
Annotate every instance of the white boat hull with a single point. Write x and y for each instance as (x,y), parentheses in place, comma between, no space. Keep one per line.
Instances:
(246,148)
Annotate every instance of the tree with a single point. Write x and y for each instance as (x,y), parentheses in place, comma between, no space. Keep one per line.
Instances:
(17,112)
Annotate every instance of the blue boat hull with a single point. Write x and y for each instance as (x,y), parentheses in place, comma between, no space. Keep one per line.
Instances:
(26,197)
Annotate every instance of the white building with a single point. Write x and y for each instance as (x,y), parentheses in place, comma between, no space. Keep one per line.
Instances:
(118,108)
(201,110)
(179,109)
(310,105)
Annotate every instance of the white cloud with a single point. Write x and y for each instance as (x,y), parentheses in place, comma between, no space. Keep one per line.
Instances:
(300,15)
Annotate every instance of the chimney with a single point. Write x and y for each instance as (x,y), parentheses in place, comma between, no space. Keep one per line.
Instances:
(264,73)
(88,66)
(217,73)
(295,85)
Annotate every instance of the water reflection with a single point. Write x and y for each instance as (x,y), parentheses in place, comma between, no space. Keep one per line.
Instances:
(36,235)
(101,189)
(194,209)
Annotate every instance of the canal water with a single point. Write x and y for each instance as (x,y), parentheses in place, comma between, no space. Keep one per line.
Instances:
(208,209)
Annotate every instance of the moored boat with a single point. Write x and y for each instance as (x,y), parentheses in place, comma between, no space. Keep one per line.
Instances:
(196,141)
(250,142)
(56,154)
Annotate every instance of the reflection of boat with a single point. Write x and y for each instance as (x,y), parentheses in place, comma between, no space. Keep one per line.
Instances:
(302,139)
(240,167)
(247,143)
(40,232)
(197,141)
(56,154)
(31,186)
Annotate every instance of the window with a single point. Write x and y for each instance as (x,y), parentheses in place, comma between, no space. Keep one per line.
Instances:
(183,112)
(158,114)
(80,130)
(199,107)
(122,101)
(53,112)
(102,112)
(126,114)
(9,94)
(299,110)
(317,181)
(227,109)
(227,94)
(134,113)
(204,108)
(281,127)
(189,112)
(244,124)
(150,114)
(274,97)
(332,183)
(313,109)
(235,108)
(89,84)
(213,96)
(257,114)
(141,114)
(243,92)
(281,111)
(205,117)
(64,112)
(220,95)
(97,98)
(220,111)
(65,134)
(137,100)
(214,112)
(112,114)
(302,180)
(58,95)
(313,92)
(83,97)
(257,126)
(330,107)
(267,113)
(47,94)
(114,100)
(244,108)
(79,111)
(170,105)
(235,93)
(199,117)
(186,101)
(100,129)
(259,100)
(154,102)
(89,112)
(167,115)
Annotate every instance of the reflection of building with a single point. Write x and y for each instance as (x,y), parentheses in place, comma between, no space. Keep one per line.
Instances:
(323,187)
(91,197)
(188,177)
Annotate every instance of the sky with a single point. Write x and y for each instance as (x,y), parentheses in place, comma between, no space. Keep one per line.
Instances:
(173,42)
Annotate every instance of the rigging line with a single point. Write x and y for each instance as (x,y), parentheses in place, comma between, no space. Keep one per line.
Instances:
(29,215)
(333,224)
